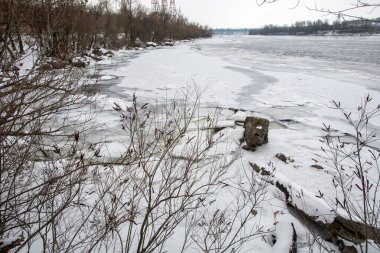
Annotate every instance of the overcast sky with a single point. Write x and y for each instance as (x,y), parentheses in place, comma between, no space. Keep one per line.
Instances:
(246,13)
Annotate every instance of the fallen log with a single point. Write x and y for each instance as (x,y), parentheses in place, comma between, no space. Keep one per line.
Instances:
(341,227)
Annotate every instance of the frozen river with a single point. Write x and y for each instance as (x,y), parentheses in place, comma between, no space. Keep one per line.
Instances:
(284,78)
(357,54)
(351,60)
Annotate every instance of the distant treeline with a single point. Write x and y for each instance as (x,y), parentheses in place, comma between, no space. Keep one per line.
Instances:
(320,27)
(63,27)
(230,31)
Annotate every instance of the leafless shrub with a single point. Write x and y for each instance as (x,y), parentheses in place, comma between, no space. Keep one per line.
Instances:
(169,172)
(355,171)
(60,196)
(231,228)
(42,169)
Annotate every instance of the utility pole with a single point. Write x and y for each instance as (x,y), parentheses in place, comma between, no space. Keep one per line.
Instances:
(164,4)
(154,5)
(172,6)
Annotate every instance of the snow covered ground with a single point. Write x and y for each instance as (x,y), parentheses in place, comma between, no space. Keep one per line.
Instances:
(290,81)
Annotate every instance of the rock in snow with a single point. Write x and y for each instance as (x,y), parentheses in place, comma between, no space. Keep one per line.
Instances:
(256,132)
(284,158)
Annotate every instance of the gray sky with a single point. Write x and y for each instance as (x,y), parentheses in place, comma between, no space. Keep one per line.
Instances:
(246,13)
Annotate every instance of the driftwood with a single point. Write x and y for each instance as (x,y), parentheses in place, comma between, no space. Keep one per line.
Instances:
(349,230)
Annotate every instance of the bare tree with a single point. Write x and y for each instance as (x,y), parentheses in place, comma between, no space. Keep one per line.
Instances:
(367,6)
(349,12)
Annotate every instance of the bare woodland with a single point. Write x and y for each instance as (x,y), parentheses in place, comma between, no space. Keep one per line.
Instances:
(67,27)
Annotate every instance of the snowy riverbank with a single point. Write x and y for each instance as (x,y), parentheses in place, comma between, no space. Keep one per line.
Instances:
(291,87)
